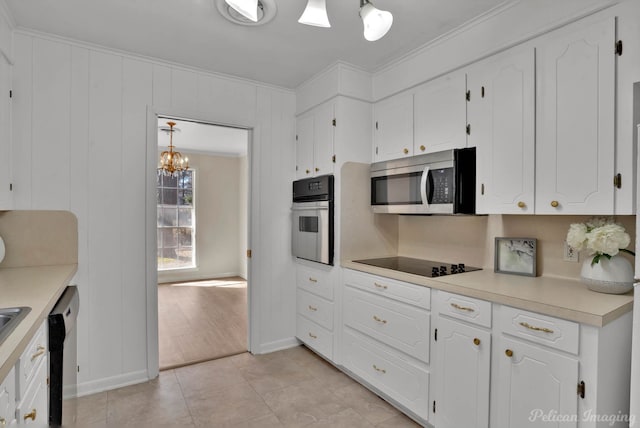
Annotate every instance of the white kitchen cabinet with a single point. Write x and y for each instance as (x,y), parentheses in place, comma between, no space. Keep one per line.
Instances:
(440,114)
(575,147)
(6,186)
(315,141)
(461,380)
(385,340)
(531,379)
(32,388)
(502,119)
(8,400)
(393,127)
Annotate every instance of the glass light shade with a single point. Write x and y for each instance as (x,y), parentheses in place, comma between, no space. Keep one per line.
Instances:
(247,8)
(315,14)
(376,22)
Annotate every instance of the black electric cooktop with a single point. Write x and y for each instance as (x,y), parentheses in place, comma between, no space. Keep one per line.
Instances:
(421,267)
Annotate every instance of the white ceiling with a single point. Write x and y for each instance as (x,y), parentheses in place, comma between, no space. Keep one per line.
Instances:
(282,52)
(194,137)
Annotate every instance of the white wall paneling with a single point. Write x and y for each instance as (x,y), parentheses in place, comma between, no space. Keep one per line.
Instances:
(81,119)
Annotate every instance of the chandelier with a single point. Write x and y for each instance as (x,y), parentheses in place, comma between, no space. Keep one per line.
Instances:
(376,22)
(172,162)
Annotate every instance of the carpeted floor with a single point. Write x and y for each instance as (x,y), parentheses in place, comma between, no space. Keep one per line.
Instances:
(201,320)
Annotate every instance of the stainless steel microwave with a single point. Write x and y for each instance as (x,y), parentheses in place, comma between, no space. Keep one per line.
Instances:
(434,183)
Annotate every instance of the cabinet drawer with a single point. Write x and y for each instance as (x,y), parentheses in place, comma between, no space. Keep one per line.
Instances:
(34,406)
(35,352)
(314,281)
(396,324)
(553,332)
(402,291)
(315,308)
(380,366)
(465,308)
(314,336)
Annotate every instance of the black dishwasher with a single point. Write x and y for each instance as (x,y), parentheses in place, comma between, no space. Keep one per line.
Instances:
(62,356)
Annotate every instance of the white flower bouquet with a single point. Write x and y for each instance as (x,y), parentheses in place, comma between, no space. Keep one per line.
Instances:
(600,237)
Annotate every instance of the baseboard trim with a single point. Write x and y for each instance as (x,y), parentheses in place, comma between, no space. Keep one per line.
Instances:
(109,383)
(278,345)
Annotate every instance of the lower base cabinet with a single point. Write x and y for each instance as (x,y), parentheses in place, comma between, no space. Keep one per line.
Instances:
(8,400)
(34,406)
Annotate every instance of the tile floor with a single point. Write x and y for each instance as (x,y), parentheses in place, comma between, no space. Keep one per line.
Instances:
(290,388)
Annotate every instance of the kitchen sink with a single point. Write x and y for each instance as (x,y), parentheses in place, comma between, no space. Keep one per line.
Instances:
(9,319)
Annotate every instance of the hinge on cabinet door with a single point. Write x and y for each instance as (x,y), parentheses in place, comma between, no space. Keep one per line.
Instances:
(581,389)
(482,189)
(376,125)
(333,122)
(435,335)
(10,187)
(376,149)
(468,96)
(482,92)
(296,167)
(10,94)
(619,47)
(249,254)
(468,129)
(296,138)
(617,181)
(333,158)
(434,406)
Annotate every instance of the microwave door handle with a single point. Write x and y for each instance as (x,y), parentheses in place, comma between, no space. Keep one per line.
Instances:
(424,180)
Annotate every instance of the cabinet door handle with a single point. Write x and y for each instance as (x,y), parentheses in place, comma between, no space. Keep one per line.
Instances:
(508,353)
(317,169)
(313,336)
(476,341)
(531,327)
(521,204)
(31,415)
(380,320)
(423,148)
(384,287)
(462,308)
(378,369)
(555,204)
(307,171)
(405,151)
(40,350)
(312,308)
(312,279)
(3,422)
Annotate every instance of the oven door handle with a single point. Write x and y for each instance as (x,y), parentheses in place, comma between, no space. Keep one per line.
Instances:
(309,208)
(424,180)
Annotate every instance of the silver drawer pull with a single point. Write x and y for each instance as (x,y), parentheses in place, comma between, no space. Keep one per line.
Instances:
(384,287)
(312,308)
(313,336)
(380,320)
(312,279)
(530,327)
(378,369)
(462,308)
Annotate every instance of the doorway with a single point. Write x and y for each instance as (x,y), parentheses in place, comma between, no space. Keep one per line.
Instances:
(202,226)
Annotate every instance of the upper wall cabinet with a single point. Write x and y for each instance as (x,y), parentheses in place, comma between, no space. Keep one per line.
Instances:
(440,114)
(575,150)
(6,193)
(393,127)
(501,116)
(315,141)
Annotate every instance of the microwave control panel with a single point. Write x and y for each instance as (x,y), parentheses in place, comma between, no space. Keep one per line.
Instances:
(442,186)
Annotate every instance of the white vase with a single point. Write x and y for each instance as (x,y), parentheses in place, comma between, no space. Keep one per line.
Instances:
(612,276)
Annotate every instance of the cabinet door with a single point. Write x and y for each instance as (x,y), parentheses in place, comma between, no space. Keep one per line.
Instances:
(34,408)
(304,146)
(393,128)
(576,135)
(8,399)
(463,359)
(502,119)
(533,381)
(440,114)
(323,139)
(6,194)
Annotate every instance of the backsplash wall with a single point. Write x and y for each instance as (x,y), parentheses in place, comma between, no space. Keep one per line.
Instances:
(470,239)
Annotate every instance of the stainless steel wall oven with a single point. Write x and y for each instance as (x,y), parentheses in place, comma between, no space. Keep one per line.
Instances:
(312,219)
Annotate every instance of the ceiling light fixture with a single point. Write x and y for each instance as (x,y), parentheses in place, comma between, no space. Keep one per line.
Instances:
(247,8)
(171,163)
(376,22)
(315,14)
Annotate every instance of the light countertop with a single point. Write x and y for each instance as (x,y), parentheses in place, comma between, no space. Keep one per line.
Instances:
(39,288)
(558,297)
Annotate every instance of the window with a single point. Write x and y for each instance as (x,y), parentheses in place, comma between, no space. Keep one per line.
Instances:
(176,221)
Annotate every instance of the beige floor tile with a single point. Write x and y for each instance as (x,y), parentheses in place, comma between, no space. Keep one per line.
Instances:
(330,377)
(204,378)
(301,355)
(269,421)
(367,404)
(274,375)
(398,421)
(246,359)
(91,410)
(303,403)
(233,405)
(348,418)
